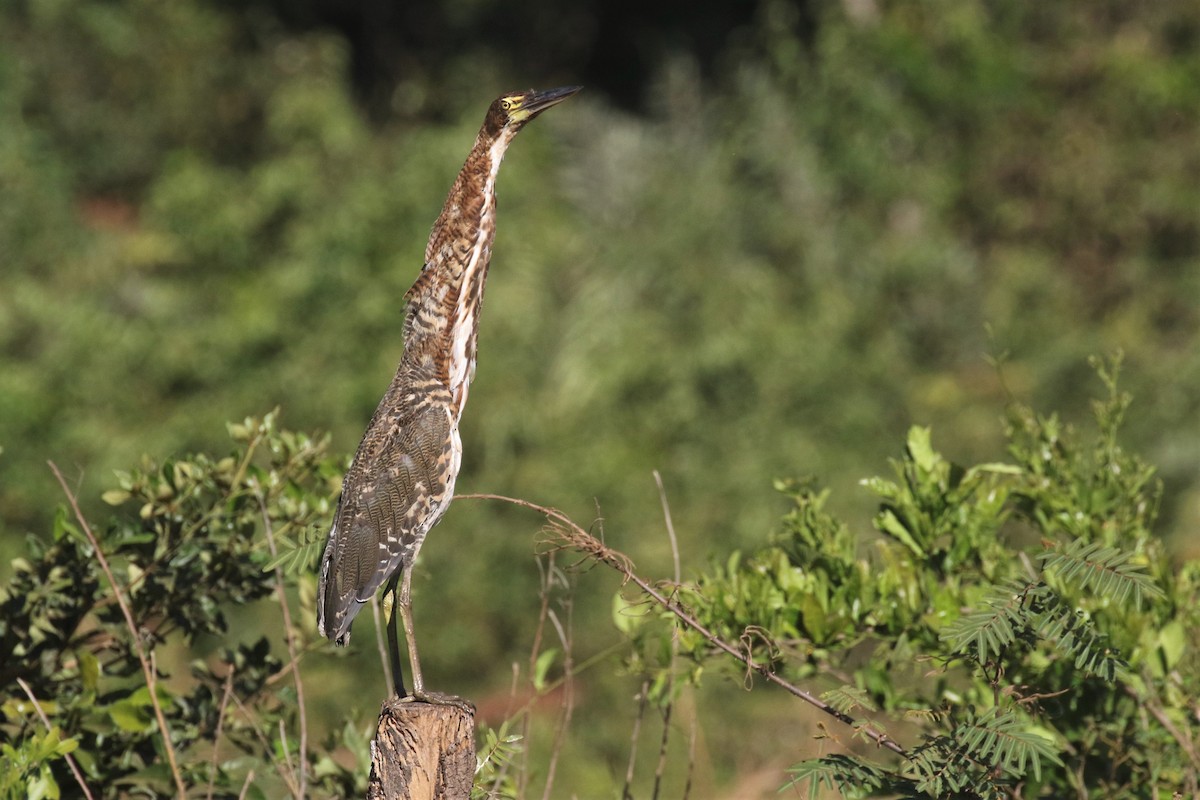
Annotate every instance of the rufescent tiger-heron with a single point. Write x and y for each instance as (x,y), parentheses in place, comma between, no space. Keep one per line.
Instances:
(402,478)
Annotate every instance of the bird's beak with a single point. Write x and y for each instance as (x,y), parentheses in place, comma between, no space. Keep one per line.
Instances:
(537,102)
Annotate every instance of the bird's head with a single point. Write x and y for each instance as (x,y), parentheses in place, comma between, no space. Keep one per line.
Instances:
(513,110)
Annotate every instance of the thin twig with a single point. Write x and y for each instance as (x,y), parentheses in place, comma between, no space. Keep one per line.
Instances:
(286,669)
(269,747)
(502,768)
(379,643)
(46,721)
(660,767)
(546,578)
(246,785)
(525,713)
(1184,741)
(669,707)
(212,774)
(568,696)
(666,509)
(577,669)
(565,533)
(691,763)
(567,705)
(139,648)
(1038,697)
(290,638)
(287,751)
(643,693)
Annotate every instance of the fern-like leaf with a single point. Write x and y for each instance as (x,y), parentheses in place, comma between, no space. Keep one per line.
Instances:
(999,739)
(1104,570)
(979,755)
(844,774)
(847,698)
(922,714)
(298,555)
(942,770)
(1003,614)
(1074,636)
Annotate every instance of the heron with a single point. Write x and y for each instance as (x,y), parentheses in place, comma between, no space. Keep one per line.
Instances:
(401,480)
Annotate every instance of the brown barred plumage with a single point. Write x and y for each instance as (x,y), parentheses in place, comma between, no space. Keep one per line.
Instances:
(402,478)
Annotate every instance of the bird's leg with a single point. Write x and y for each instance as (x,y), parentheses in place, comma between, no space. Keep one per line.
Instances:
(393,645)
(418,692)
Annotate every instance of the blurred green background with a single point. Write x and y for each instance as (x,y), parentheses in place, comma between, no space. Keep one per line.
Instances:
(765,240)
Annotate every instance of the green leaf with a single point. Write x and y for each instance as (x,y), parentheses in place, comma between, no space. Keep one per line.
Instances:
(1172,639)
(115,497)
(64,526)
(920,448)
(889,523)
(1107,571)
(847,698)
(42,786)
(1003,738)
(542,666)
(628,616)
(68,745)
(814,617)
(996,468)
(296,560)
(1077,637)
(130,716)
(89,669)
(1003,613)
(848,775)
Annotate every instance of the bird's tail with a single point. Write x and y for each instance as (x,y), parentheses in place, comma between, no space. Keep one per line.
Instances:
(329,621)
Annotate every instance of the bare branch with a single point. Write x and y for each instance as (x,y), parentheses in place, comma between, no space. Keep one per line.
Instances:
(286,775)
(212,774)
(379,634)
(669,708)
(643,694)
(666,508)
(567,707)
(290,638)
(246,785)
(691,763)
(139,648)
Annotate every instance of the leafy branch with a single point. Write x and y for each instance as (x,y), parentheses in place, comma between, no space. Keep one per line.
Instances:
(148,672)
(561,532)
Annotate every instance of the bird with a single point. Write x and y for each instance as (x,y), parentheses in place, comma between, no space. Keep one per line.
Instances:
(401,480)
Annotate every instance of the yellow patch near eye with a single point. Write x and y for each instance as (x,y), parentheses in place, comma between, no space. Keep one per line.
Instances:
(509,103)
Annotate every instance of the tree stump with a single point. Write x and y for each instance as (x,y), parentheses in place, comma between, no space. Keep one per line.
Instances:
(422,752)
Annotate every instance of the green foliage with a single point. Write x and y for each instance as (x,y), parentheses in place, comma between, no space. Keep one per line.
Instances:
(25,773)
(1045,611)
(495,770)
(849,776)
(791,258)
(188,542)
(945,766)
(1044,651)
(980,755)
(298,554)
(774,266)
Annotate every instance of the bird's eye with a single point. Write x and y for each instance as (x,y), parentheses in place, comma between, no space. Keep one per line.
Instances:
(508,103)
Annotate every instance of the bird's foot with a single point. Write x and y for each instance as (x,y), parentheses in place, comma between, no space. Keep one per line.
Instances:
(437,699)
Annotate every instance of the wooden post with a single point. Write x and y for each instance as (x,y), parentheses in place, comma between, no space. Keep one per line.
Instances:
(422,752)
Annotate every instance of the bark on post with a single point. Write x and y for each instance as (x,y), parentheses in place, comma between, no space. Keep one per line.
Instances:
(422,752)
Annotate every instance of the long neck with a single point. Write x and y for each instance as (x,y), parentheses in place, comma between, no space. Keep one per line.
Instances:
(444,303)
